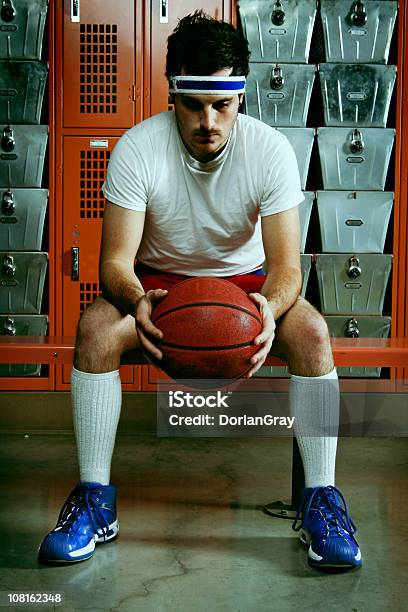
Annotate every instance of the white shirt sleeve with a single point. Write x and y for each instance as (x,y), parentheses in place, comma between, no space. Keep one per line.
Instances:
(127,182)
(282,189)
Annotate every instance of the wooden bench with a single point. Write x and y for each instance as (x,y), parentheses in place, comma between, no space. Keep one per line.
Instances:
(369,352)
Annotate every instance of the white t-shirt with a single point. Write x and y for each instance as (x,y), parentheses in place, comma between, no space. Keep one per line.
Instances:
(203,219)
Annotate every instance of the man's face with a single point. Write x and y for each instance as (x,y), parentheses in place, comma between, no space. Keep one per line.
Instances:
(205,121)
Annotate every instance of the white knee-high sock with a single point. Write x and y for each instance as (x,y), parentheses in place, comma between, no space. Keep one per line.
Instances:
(315,404)
(96,403)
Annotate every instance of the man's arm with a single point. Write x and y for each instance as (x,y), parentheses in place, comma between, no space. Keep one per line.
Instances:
(121,235)
(281,242)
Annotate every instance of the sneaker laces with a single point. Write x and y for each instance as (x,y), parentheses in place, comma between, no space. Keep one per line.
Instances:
(83,498)
(324,499)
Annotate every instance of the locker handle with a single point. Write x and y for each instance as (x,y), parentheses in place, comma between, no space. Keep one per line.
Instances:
(164,11)
(75,8)
(9,327)
(8,12)
(75,263)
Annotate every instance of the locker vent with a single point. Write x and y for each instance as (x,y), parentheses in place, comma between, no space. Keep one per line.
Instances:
(93,165)
(87,293)
(98,48)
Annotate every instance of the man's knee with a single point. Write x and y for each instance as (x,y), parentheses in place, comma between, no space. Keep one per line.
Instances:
(306,329)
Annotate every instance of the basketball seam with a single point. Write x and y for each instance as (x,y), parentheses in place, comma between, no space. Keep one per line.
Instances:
(184,306)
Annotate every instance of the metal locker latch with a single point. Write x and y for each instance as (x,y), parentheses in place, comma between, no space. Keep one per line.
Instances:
(8,12)
(9,267)
(74,263)
(7,140)
(278,14)
(277,81)
(357,143)
(354,270)
(358,14)
(352,330)
(9,327)
(7,204)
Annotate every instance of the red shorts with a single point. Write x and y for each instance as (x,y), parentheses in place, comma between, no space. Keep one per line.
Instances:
(154,279)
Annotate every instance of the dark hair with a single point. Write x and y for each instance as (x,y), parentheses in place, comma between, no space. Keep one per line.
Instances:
(202,45)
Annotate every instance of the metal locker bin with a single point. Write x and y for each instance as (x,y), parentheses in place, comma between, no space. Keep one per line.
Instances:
(22,87)
(22,28)
(301,140)
(355,159)
(279,94)
(22,153)
(305,210)
(22,325)
(22,281)
(352,283)
(281,371)
(354,221)
(358,327)
(22,214)
(358,31)
(278,31)
(356,94)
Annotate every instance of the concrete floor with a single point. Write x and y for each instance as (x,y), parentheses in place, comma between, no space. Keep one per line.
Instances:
(193,536)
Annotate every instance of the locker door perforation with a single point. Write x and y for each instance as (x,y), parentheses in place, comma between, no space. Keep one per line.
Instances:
(87,293)
(92,172)
(98,66)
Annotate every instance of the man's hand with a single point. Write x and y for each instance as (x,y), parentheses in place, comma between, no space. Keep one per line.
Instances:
(145,329)
(267,335)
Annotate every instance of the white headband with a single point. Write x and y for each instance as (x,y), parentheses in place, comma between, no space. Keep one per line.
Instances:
(212,85)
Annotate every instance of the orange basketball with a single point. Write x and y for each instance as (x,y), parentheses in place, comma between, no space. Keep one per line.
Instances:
(208,326)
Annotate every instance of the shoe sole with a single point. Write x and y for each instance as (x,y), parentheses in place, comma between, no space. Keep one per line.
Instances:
(96,539)
(306,540)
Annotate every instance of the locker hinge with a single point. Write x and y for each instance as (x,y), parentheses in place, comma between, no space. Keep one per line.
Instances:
(134,93)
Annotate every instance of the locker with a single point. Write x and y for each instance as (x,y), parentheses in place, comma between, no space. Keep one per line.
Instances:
(356,94)
(358,327)
(279,94)
(352,283)
(22,25)
(22,278)
(305,210)
(358,31)
(85,162)
(22,325)
(278,31)
(356,221)
(355,158)
(301,140)
(99,64)
(22,88)
(22,154)
(22,218)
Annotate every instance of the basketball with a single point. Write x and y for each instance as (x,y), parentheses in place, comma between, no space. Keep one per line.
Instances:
(208,326)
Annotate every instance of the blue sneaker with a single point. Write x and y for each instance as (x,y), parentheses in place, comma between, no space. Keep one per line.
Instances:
(326,527)
(88,517)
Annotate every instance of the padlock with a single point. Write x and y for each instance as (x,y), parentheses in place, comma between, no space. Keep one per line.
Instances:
(352,330)
(7,12)
(357,143)
(7,203)
(9,267)
(358,14)
(9,327)
(7,141)
(354,270)
(277,81)
(278,14)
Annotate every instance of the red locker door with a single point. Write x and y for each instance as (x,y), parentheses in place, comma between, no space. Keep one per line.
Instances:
(164,15)
(85,162)
(98,64)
